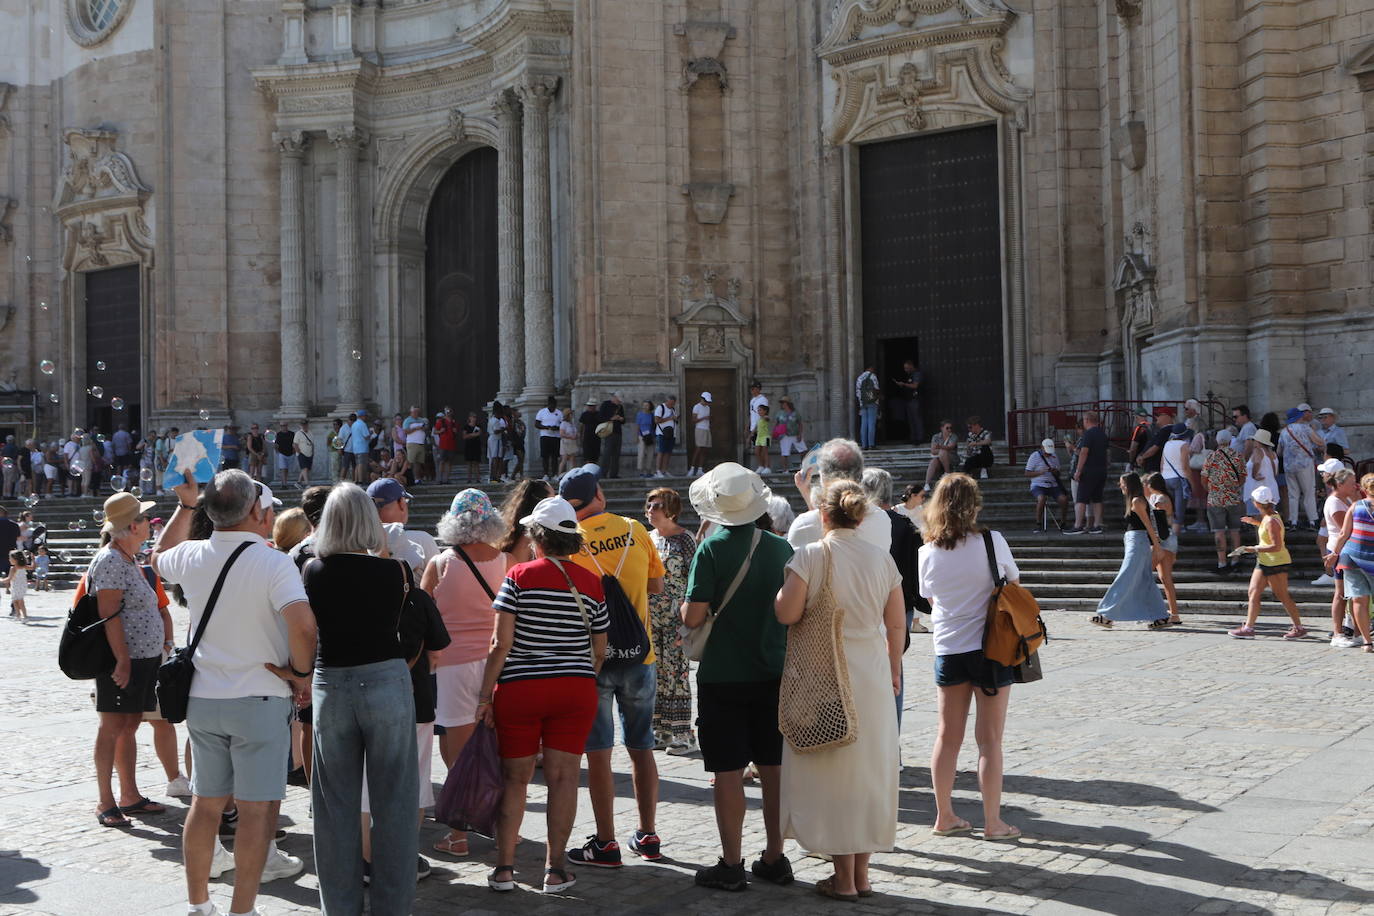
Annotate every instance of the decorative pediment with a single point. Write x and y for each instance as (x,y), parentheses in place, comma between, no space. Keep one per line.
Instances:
(713,325)
(1132,271)
(1361,65)
(100,202)
(863,29)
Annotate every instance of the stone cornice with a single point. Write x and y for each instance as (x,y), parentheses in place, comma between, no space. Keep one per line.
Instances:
(513,21)
(986,28)
(853,17)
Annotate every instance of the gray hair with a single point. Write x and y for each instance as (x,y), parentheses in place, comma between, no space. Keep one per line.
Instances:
(471,528)
(780,514)
(877,484)
(1224,438)
(840,459)
(349,523)
(1341,476)
(230,497)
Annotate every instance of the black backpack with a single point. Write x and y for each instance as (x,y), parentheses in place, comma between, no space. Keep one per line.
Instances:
(627,642)
(83,651)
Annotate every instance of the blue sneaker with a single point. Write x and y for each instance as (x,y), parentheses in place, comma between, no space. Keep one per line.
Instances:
(597,854)
(646,845)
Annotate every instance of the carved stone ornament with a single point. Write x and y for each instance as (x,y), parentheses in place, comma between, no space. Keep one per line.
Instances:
(1128,10)
(705,43)
(457,127)
(6,205)
(712,325)
(909,90)
(5,91)
(1128,140)
(710,199)
(100,203)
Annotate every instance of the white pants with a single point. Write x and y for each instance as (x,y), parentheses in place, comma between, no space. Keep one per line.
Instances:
(1302,486)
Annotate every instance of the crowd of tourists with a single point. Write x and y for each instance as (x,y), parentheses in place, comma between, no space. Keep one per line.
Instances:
(337,638)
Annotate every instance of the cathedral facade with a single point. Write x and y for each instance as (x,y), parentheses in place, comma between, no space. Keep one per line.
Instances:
(239,210)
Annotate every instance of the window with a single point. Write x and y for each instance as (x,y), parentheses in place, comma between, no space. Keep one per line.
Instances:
(89,22)
(100,14)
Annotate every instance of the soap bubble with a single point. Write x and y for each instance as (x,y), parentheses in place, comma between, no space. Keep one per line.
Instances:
(76,524)
(99,516)
(270,435)
(7,464)
(117,403)
(97,392)
(54,398)
(47,367)
(76,468)
(100,365)
(146,475)
(205,414)
(60,556)
(356,354)
(100,437)
(118,484)
(30,501)
(43,306)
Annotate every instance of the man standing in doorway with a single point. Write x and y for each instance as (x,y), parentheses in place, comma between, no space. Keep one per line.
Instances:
(701,434)
(665,425)
(866,390)
(547,421)
(612,411)
(910,383)
(1091,476)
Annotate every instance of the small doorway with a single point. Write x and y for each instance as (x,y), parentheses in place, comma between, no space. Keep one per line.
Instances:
(891,353)
(725,422)
(113,353)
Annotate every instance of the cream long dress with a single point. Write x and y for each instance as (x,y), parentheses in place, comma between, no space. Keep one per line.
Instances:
(844,801)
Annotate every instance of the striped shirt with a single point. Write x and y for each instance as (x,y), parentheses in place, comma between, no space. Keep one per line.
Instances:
(1359,550)
(551,639)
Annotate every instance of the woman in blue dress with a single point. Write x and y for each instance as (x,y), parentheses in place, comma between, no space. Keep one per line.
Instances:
(1134,595)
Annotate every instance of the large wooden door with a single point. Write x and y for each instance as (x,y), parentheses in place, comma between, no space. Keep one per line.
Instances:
(112,340)
(932,269)
(725,421)
(461,297)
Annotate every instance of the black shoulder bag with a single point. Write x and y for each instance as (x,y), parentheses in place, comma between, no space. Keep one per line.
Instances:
(83,651)
(174,675)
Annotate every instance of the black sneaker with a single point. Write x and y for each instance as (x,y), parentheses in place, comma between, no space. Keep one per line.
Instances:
(1097,530)
(723,877)
(780,872)
(596,854)
(422,869)
(1075,530)
(646,845)
(1221,572)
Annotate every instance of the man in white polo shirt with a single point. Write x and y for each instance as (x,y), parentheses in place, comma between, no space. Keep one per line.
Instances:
(547,421)
(839,459)
(257,651)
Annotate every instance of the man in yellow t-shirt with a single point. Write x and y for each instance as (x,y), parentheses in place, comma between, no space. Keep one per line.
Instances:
(618,546)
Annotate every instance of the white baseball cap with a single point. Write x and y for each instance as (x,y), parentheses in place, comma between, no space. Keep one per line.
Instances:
(1047,444)
(1331,465)
(706,396)
(1305,407)
(266,500)
(1263,495)
(554,513)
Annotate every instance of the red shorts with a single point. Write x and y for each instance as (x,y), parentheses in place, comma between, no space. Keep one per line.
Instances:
(555,712)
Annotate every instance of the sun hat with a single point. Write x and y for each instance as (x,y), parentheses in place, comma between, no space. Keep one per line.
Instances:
(474,501)
(706,396)
(1331,465)
(591,402)
(386,491)
(1047,444)
(1293,415)
(1326,412)
(1263,437)
(1263,495)
(1305,407)
(554,513)
(123,508)
(1179,429)
(580,484)
(729,494)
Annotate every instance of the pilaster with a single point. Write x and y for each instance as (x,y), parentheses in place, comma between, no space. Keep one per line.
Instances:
(349,141)
(292,146)
(510,231)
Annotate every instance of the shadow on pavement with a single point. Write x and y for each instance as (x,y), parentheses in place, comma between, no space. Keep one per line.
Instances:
(1111,792)
(15,872)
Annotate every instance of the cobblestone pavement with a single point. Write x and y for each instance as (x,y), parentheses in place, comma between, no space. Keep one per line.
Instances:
(1161,773)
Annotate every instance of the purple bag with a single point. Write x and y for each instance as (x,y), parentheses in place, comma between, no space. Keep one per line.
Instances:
(471,796)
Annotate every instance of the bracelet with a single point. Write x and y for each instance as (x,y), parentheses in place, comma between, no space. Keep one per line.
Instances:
(299,673)
(186,507)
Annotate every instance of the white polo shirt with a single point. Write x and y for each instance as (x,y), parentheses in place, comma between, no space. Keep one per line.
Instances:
(415,547)
(246,628)
(548,417)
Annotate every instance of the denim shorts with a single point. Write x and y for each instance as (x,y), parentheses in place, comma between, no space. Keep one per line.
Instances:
(666,442)
(1050,492)
(239,747)
(1358,583)
(632,688)
(970,668)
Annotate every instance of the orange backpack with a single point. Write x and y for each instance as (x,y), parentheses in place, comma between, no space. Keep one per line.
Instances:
(1014,629)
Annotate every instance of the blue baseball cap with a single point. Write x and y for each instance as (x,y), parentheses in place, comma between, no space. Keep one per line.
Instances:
(580,484)
(386,491)
(1294,414)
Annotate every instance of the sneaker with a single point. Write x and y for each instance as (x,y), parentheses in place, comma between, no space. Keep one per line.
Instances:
(645,845)
(280,865)
(1096,530)
(1241,632)
(179,787)
(1323,579)
(1295,632)
(1075,530)
(780,872)
(918,627)
(1344,642)
(723,877)
(682,749)
(1222,572)
(596,854)
(221,861)
(422,869)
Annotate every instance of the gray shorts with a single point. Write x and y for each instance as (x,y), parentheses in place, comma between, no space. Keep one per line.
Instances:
(239,747)
(1224,518)
(702,438)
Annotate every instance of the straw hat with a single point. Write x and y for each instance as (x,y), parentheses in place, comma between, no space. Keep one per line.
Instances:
(121,509)
(729,494)
(1263,437)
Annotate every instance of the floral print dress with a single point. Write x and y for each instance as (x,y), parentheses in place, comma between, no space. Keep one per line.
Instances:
(673,704)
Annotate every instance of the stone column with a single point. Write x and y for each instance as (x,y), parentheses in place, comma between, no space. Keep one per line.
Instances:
(348,141)
(292,145)
(536,93)
(509,221)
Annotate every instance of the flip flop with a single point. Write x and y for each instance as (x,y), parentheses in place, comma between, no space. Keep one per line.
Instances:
(1012,834)
(826,888)
(961,827)
(112,817)
(144,805)
(453,847)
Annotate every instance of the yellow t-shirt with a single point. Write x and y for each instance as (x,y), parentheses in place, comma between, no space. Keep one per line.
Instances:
(608,538)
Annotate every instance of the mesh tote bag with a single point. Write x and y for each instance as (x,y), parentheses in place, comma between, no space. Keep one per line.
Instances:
(815,702)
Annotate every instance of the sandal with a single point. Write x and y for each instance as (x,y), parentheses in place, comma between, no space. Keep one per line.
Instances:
(1100,621)
(1012,834)
(502,886)
(1175,621)
(565,882)
(453,846)
(1160,624)
(112,817)
(960,827)
(144,805)
(826,888)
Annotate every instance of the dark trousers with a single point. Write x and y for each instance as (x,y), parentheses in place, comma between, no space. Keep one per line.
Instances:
(548,454)
(610,454)
(916,428)
(983,459)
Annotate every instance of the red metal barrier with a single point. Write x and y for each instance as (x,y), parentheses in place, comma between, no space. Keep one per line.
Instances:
(1026,427)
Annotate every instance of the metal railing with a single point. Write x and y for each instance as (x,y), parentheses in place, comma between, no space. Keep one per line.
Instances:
(1026,427)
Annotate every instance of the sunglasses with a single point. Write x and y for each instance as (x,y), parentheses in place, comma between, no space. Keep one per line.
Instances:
(651,507)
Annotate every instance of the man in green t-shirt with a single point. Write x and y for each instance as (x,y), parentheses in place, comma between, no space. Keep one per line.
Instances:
(741,667)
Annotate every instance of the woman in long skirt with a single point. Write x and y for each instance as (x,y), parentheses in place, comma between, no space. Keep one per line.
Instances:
(1134,594)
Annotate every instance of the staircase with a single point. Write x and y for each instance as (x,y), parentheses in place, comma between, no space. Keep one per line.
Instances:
(1065,573)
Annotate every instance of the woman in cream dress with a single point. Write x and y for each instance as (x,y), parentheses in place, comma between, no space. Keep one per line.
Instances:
(843,801)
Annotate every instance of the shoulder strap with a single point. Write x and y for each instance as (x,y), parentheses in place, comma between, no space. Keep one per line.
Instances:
(214,596)
(475,574)
(739,576)
(997,580)
(630,542)
(577,596)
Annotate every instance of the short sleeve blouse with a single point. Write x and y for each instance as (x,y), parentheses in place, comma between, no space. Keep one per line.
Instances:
(142,622)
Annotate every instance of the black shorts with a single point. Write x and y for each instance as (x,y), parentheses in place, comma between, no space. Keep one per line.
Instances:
(970,668)
(1090,487)
(136,698)
(305,462)
(737,724)
(1280,570)
(549,446)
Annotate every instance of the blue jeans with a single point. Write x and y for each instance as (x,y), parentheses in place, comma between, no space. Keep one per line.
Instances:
(868,428)
(365,710)
(632,688)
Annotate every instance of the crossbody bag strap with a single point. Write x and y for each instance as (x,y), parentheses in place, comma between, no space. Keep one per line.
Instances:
(739,576)
(997,584)
(214,596)
(475,574)
(630,542)
(577,596)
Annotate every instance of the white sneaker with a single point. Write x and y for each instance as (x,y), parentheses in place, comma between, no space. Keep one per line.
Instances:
(684,748)
(179,787)
(207,908)
(1341,641)
(222,860)
(280,865)
(1323,579)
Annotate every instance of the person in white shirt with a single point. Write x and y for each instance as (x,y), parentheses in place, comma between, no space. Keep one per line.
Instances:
(756,398)
(548,421)
(1245,430)
(701,434)
(305,454)
(416,547)
(838,459)
(1331,433)
(257,652)
(665,423)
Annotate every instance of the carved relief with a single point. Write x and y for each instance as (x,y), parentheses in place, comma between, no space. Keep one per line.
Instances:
(309,104)
(1128,10)
(100,203)
(713,325)
(705,50)
(457,127)
(6,204)
(710,199)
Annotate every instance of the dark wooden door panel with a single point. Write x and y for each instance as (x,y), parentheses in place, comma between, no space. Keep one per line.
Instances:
(932,266)
(725,420)
(461,296)
(112,338)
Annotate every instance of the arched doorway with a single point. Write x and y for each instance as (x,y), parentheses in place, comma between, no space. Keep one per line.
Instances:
(461,298)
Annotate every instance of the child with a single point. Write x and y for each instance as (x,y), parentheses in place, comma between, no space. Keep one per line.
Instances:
(1272,567)
(18,583)
(762,433)
(40,569)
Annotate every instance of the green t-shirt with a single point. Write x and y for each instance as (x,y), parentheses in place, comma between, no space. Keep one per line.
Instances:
(747,643)
(762,433)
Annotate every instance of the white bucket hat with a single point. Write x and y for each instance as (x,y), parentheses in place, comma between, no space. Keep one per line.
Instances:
(729,494)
